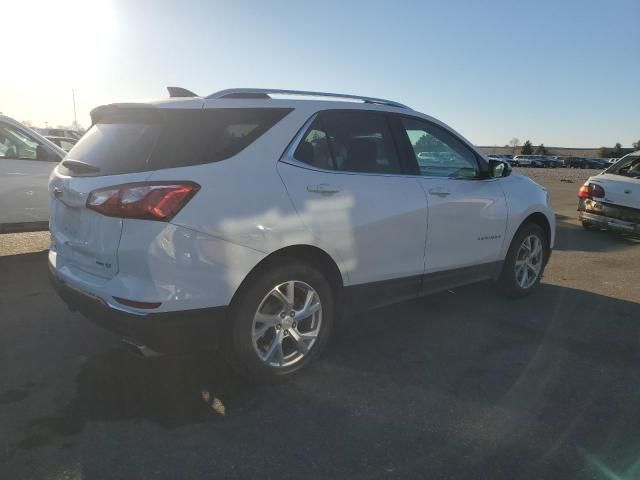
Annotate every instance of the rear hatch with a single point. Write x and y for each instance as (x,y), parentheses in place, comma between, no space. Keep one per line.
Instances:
(83,238)
(619,190)
(114,151)
(125,145)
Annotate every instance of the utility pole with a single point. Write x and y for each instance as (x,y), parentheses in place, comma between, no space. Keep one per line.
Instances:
(75,118)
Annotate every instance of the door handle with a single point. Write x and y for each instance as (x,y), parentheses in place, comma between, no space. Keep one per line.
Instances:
(439,191)
(323,188)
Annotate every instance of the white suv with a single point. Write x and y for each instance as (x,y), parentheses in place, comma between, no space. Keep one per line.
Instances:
(252,220)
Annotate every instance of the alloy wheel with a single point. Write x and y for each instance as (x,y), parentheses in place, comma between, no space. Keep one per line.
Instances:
(286,324)
(529,261)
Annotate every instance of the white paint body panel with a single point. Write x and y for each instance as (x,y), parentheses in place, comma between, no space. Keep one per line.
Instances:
(619,190)
(375,224)
(524,198)
(467,222)
(23,190)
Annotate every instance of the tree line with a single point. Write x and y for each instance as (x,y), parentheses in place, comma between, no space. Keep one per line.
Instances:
(528,149)
(617,151)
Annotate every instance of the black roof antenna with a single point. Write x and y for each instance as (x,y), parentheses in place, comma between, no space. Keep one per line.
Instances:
(179,92)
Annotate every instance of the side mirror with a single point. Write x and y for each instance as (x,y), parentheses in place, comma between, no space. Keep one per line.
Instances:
(498,168)
(43,153)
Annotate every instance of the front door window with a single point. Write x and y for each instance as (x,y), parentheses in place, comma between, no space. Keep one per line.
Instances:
(438,153)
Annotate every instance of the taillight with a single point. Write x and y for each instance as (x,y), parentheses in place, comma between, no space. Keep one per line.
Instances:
(597,191)
(591,190)
(584,191)
(146,201)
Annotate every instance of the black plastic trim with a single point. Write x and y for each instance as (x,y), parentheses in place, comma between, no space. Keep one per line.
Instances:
(167,332)
(366,296)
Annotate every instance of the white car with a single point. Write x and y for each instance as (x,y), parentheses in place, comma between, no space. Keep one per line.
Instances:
(611,200)
(26,161)
(253,223)
(529,161)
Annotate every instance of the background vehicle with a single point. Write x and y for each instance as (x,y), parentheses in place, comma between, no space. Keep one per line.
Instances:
(65,143)
(529,161)
(521,161)
(58,132)
(597,163)
(575,162)
(26,161)
(553,162)
(185,216)
(611,200)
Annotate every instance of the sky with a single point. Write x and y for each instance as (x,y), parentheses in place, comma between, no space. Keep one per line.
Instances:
(562,73)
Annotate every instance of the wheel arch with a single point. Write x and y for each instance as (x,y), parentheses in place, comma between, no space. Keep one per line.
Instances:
(540,219)
(310,254)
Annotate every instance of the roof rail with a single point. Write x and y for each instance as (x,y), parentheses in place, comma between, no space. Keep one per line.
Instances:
(266,92)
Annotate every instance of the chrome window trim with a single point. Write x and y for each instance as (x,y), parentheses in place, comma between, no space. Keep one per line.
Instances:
(288,158)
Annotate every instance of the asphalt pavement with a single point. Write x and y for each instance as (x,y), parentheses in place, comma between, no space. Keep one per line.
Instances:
(462,384)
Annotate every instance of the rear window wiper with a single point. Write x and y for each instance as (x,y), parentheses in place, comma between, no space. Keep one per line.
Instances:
(79,167)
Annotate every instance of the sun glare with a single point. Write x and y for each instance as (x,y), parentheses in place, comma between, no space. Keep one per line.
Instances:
(61,42)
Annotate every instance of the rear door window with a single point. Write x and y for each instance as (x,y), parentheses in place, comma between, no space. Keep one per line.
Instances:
(152,139)
(350,141)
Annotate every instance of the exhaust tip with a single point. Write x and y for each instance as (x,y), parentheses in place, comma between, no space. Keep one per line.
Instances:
(138,349)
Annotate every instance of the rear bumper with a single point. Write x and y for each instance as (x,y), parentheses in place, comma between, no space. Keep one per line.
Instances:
(610,223)
(613,217)
(170,332)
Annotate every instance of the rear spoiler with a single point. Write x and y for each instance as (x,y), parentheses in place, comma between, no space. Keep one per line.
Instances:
(179,92)
(103,111)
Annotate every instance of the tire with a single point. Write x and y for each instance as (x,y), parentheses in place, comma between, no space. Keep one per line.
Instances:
(510,281)
(258,293)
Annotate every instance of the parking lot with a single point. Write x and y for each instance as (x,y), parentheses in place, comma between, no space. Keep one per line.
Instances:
(462,384)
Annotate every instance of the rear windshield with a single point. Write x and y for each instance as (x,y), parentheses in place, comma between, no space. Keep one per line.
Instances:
(138,141)
(629,166)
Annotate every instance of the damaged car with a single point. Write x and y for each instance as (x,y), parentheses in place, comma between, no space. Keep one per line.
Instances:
(611,200)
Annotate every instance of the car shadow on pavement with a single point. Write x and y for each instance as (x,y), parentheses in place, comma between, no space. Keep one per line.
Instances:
(459,382)
(170,391)
(464,380)
(570,236)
